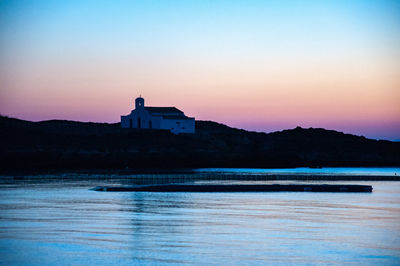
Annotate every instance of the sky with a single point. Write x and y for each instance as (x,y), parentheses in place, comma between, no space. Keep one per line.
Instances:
(256,65)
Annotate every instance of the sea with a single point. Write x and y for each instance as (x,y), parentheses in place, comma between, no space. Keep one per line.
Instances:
(64,222)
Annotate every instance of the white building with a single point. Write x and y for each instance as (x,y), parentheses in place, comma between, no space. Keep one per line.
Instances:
(169,118)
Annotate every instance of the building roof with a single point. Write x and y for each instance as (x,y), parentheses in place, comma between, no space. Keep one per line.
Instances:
(163,110)
(177,117)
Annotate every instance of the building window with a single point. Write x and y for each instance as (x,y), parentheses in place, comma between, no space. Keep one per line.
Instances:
(130,123)
(139,123)
(150,125)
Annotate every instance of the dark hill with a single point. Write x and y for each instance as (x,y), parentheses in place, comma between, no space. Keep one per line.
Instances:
(69,145)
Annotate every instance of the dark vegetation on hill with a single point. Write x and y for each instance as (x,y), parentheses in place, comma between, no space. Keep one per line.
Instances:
(67,145)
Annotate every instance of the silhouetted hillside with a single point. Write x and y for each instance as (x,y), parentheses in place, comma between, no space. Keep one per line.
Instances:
(68,145)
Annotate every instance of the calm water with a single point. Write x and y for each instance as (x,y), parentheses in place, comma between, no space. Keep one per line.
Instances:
(385,171)
(66,223)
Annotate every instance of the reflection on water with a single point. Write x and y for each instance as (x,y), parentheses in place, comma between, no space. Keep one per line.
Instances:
(66,223)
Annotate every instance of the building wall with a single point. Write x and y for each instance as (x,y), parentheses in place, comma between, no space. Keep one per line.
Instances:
(177,126)
(132,120)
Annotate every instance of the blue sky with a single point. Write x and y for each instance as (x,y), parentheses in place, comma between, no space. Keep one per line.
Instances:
(258,65)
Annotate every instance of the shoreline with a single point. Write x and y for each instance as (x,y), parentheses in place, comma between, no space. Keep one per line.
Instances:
(144,178)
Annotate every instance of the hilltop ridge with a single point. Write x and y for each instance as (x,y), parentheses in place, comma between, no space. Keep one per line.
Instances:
(71,145)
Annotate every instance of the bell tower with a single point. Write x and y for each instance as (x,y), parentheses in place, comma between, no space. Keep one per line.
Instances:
(139,103)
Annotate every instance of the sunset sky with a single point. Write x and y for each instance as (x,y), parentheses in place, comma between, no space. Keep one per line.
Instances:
(257,65)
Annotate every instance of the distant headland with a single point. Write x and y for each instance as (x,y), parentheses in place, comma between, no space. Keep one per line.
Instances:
(59,145)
